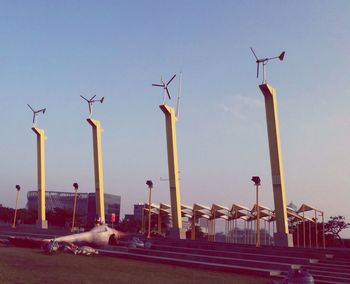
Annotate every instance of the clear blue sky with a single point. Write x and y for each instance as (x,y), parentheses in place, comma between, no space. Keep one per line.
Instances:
(52,52)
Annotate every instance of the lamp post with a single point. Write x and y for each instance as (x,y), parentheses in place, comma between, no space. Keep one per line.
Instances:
(18,188)
(150,186)
(76,186)
(256,181)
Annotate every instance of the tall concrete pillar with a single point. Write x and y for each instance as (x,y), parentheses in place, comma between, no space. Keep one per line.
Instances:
(282,236)
(41,221)
(99,188)
(170,122)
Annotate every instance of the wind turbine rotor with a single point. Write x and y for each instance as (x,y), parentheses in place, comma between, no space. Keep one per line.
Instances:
(36,112)
(91,101)
(264,61)
(165,87)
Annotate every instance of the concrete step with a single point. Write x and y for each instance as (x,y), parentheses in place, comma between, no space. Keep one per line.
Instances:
(324,272)
(319,278)
(193,263)
(329,279)
(335,261)
(242,255)
(330,267)
(266,250)
(216,259)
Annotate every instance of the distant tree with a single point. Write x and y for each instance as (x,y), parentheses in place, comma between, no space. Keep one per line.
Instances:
(165,223)
(128,225)
(6,214)
(59,217)
(334,226)
(26,216)
(199,233)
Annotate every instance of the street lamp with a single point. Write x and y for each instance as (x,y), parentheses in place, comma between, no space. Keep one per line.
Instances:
(18,188)
(150,186)
(256,181)
(76,186)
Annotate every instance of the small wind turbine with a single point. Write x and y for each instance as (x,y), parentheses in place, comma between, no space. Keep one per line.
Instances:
(91,101)
(35,113)
(264,62)
(165,87)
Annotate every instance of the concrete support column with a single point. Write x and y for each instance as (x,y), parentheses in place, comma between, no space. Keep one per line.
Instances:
(170,123)
(99,187)
(193,227)
(159,221)
(40,134)
(282,236)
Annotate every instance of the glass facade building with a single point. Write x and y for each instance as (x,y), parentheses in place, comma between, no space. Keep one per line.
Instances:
(86,203)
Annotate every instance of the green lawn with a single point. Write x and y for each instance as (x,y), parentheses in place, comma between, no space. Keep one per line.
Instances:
(21,265)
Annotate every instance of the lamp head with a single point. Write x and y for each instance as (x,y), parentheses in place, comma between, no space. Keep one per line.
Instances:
(18,187)
(149,184)
(76,185)
(256,180)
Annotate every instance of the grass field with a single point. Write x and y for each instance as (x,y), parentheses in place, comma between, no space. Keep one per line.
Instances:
(22,265)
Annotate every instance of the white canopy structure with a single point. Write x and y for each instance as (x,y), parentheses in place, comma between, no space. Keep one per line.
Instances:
(241,216)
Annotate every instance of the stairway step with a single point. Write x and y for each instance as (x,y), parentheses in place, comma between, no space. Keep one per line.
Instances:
(220,260)
(243,255)
(193,263)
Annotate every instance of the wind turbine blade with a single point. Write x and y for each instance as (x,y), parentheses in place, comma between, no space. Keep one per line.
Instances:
(167,91)
(92,97)
(103,98)
(254,53)
(44,109)
(30,107)
(257,70)
(172,78)
(85,98)
(157,85)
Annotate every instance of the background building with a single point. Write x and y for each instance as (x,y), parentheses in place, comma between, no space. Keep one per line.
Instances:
(138,211)
(86,203)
